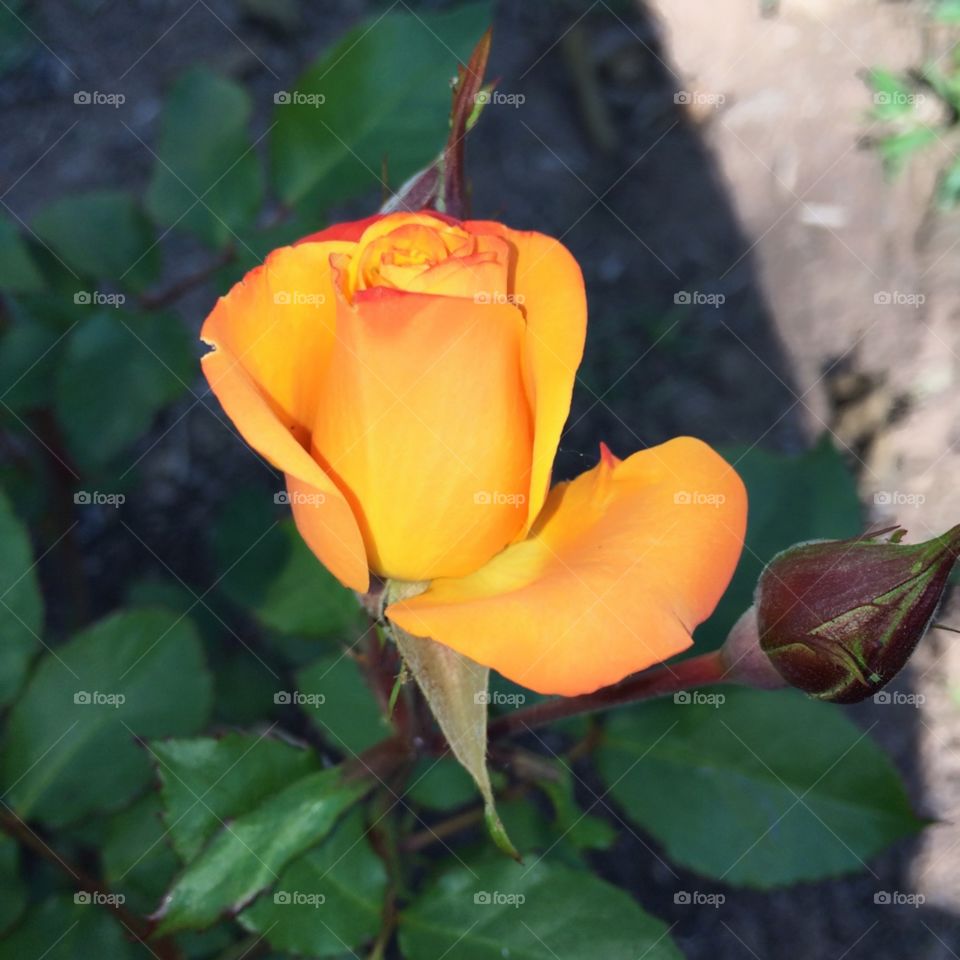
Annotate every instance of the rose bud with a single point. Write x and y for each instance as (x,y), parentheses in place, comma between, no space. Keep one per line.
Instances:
(411,375)
(839,618)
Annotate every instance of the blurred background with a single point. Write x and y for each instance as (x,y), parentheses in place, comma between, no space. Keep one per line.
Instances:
(762,196)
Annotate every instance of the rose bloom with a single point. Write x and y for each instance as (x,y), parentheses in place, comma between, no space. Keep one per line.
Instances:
(411,374)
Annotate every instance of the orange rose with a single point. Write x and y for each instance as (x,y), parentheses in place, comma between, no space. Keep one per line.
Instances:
(411,375)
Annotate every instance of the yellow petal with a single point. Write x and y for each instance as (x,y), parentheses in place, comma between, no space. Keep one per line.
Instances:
(424,422)
(619,568)
(548,287)
(264,371)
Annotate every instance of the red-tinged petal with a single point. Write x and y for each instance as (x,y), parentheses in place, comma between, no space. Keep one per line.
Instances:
(621,565)
(353,230)
(548,287)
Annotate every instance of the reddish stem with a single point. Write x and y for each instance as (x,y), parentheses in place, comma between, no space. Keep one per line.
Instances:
(708,668)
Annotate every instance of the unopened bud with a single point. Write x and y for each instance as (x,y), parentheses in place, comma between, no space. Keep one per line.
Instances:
(840,618)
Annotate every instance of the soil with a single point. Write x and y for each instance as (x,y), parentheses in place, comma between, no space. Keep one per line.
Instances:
(753,199)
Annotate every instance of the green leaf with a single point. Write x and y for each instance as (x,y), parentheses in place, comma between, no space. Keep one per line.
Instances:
(205,782)
(764,789)
(70,748)
(791,499)
(440,784)
(62,928)
(540,912)
(21,604)
(329,899)
(948,187)
(456,688)
(102,235)
(14,897)
(270,571)
(947,11)
(136,855)
(246,855)
(116,373)
(382,91)
(207,178)
(28,353)
(18,272)
(17,39)
(896,150)
(892,94)
(337,700)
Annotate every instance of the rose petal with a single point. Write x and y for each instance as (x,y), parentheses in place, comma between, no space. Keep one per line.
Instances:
(620,567)
(549,286)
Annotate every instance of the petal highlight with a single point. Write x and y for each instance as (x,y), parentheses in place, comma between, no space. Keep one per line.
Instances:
(548,285)
(622,564)
(424,423)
